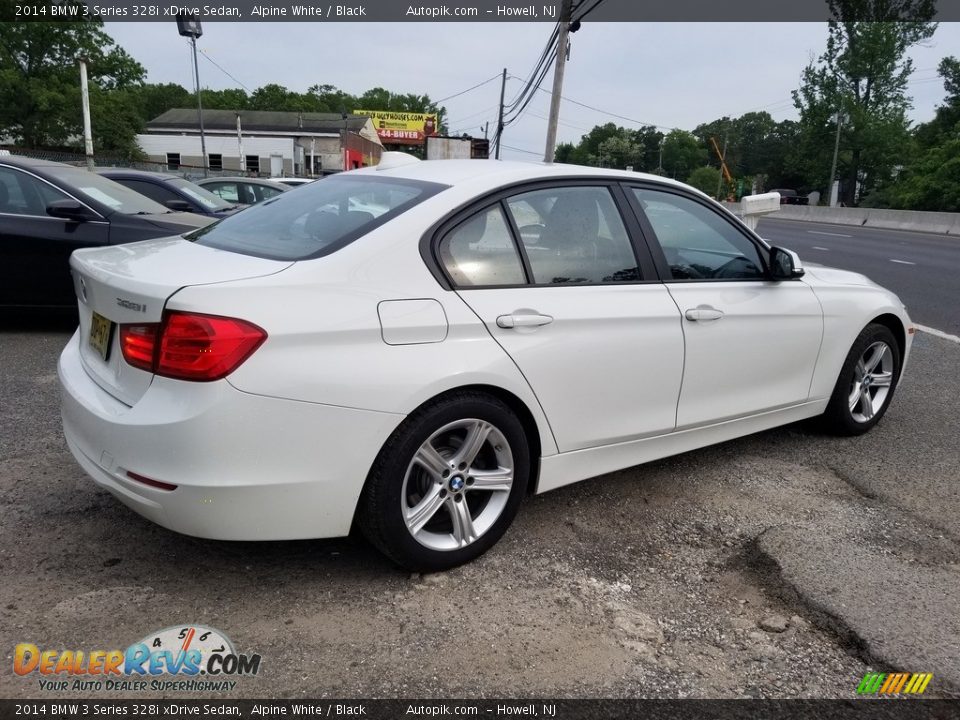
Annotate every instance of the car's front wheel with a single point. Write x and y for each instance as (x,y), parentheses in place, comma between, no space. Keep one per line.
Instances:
(447,483)
(866,383)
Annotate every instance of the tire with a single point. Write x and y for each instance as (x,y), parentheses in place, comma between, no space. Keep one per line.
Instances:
(432,500)
(856,406)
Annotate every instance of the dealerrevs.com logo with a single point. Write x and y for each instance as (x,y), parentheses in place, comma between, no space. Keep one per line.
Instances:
(190,658)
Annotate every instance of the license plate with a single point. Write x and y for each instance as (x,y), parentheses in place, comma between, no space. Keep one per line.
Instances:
(101,332)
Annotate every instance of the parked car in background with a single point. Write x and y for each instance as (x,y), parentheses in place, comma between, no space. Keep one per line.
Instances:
(480,329)
(48,210)
(294,182)
(173,192)
(790,197)
(248,191)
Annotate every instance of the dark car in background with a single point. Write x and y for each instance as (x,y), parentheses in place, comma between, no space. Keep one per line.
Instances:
(172,191)
(248,191)
(790,197)
(48,210)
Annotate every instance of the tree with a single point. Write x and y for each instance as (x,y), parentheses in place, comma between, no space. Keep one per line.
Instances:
(40,80)
(705,179)
(931,180)
(116,119)
(156,99)
(229,99)
(682,154)
(862,75)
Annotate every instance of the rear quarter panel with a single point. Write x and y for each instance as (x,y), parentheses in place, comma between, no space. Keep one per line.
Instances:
(325,342)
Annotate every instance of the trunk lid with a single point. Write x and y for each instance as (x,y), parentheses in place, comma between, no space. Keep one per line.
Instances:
(130,284)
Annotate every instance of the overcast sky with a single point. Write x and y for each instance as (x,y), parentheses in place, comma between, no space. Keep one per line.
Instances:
(671,74)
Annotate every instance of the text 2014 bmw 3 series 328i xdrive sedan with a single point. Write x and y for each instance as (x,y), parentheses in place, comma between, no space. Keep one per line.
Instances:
(415,347)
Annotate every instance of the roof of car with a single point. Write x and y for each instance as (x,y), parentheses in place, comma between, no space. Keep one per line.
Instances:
(500,172)
(130,172)
(21,161)
(241,179)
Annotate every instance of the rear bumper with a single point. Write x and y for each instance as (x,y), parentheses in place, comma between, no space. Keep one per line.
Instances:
(246,467)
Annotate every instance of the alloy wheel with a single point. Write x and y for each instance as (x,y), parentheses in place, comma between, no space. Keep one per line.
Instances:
(457,484)
(872,379)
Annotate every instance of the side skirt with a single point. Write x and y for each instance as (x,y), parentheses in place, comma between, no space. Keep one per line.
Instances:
(567,468)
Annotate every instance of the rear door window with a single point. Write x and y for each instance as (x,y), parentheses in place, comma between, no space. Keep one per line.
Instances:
(480,252)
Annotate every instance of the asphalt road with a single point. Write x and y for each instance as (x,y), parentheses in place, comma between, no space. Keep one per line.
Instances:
(923,269)
(785,564)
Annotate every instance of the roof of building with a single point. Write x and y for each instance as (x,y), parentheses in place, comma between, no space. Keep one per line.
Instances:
(258,121)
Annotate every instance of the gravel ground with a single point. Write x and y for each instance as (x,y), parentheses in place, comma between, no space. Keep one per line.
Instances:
(782,565)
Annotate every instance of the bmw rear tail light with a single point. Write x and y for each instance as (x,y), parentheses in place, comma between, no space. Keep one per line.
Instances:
(191,346)
(138,343)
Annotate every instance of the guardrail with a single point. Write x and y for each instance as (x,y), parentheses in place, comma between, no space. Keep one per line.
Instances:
(941,223)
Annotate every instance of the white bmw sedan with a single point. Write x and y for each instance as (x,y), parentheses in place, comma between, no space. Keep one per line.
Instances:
(413,348)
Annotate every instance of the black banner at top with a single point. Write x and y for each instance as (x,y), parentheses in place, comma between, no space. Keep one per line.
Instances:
(475,10)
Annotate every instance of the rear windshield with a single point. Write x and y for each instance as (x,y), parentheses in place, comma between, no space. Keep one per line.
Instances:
(201,195)
(104,190)
(317,219)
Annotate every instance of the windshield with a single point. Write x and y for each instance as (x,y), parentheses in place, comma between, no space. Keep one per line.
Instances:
(317,219)
(201,195)
(107,192)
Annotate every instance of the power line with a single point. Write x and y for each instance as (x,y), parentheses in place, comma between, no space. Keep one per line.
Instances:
(586,12)
(464,92)
(221,69)
(531,89)
(528,152)
(549,48)
(611,114)
(463,119)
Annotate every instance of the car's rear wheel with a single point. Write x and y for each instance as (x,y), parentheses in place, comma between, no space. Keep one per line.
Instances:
(447,483)
(866,383)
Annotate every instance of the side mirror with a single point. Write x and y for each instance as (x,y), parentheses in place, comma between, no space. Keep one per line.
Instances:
(178,206)
(69,210)
(785,264)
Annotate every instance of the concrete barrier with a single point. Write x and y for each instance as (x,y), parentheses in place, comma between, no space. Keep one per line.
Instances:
(941,223)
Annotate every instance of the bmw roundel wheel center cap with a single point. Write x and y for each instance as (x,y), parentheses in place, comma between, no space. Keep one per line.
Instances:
(456,483)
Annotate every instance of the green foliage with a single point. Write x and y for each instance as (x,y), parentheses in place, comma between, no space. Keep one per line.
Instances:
(612,146)
(862,75)
(931,179)
(756,145)
(682,154)
(40,79)
(705,179)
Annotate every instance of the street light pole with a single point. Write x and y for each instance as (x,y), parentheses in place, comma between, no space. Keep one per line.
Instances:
(189,26)
(203,138)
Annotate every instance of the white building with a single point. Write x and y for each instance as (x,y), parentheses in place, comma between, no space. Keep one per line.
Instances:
(269,144)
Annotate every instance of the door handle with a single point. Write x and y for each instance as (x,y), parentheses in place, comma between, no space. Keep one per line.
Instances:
(703,313)
(517,320)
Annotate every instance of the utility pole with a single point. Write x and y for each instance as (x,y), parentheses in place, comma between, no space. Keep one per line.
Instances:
(566,11)
(85,102)
(243,162)
(486,130)
(503,89)
(833,167)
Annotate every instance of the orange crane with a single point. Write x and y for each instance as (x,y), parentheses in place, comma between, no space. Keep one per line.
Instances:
(723,164)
